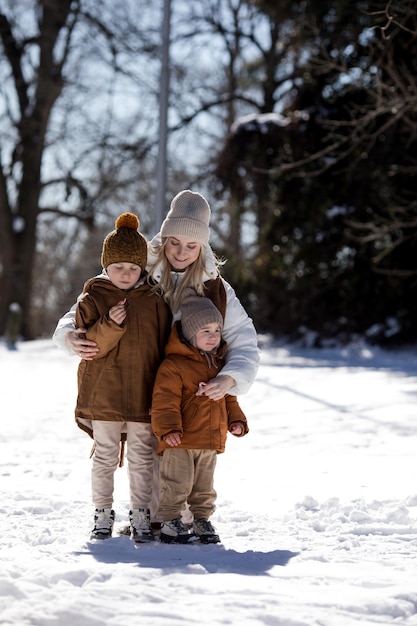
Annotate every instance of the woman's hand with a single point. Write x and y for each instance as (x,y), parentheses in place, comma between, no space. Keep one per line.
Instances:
(216,388)
(82,347)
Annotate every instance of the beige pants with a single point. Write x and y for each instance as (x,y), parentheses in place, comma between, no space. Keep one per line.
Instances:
(187,476)
(143,464)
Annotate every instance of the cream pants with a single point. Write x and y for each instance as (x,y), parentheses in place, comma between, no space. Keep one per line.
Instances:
(187,476)
(143,464)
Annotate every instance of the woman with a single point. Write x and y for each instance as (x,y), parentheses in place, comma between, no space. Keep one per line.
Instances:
(180,257)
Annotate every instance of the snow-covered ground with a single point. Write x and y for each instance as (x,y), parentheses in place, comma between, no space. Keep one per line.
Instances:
(317,506)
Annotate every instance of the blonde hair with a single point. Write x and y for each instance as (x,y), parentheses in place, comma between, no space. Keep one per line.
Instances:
(193,276)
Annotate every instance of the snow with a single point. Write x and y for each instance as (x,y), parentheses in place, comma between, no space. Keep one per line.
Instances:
(317,505)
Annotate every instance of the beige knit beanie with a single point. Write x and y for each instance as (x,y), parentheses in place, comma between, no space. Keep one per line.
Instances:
(196,312)
(125,244)
(188,216)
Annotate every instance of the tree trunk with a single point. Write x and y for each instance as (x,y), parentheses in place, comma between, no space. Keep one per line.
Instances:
(18,221)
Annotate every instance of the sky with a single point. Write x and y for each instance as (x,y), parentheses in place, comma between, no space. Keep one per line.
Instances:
(316,506)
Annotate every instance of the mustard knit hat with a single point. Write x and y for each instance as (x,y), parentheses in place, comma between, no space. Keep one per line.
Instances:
(188,216)
(125,244)
(196,312)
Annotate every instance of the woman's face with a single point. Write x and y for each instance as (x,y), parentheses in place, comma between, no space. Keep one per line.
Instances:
(181,252)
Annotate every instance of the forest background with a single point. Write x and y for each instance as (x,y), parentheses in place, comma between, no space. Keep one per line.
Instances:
(297,121)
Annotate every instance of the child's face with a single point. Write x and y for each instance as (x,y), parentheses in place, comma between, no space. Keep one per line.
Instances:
(181,252)
(124,275)
(208,338)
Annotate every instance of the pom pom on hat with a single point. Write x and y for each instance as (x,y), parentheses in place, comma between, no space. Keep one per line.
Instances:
(197,312)
(127,220)
(125,244)
(188,216)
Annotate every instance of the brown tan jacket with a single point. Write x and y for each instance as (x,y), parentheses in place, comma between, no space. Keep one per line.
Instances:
(203,423)
(117,385)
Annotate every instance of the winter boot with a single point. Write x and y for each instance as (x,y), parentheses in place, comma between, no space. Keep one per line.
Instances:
(176,531)
(103,524)
(140,525)
(205,531)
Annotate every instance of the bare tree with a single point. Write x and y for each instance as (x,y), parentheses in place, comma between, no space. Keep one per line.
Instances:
(34,102)
(76,159)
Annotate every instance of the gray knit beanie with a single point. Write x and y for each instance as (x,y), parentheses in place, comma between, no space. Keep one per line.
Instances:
(196,312)
(188,216)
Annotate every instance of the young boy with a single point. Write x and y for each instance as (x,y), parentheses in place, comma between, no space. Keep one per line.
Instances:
(130,326)
(190,427)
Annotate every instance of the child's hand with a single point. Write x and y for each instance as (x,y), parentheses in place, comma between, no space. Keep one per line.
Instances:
(173,439)
(236,429)
(118,313)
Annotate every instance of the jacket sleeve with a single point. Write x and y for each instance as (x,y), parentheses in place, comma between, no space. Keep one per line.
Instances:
(166,401)
(235,413)
(242,357)
(100,329)
(65,324)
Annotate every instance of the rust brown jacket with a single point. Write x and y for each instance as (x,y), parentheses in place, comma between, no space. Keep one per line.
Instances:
(203,423)
(117,384)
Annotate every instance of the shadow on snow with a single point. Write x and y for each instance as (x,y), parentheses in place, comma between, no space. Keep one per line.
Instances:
(213,559)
